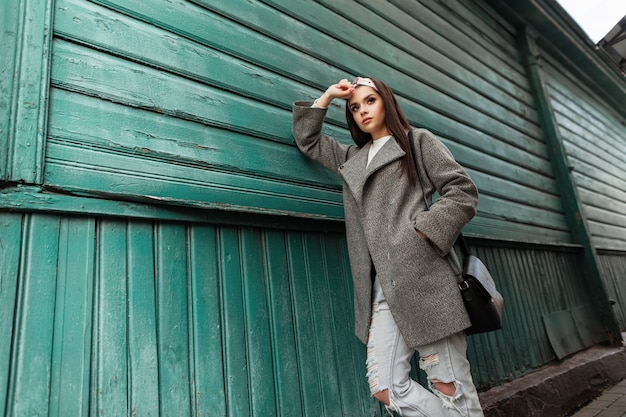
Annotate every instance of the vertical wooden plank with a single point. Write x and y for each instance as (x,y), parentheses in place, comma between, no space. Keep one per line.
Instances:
(323,318)
(206,326)
(353,387)
(173,326)
(73,317)
(30,377)
(143,358)
(235,350)
(303,308)
(9,22)
(10,249)
(110,362)
(260,366)
(285,358)
(23,121)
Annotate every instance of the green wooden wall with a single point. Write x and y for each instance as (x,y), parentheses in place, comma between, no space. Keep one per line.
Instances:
(189,94)
(115,317)
(166,250)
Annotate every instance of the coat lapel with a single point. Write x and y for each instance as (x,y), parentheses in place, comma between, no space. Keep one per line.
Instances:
(355,171)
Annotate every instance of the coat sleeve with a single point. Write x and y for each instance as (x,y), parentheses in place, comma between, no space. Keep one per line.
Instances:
(458,193)
(307,132)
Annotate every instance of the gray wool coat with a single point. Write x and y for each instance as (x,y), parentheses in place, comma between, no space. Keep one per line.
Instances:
(382,213)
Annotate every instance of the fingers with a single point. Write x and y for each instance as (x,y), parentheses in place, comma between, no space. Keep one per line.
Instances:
(343,89)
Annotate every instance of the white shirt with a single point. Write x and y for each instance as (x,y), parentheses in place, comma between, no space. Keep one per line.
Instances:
(376,145)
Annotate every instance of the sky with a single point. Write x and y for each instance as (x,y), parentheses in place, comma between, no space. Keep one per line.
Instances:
(595,17)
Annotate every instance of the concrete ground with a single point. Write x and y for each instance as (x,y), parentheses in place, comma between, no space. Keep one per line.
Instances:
(588,383)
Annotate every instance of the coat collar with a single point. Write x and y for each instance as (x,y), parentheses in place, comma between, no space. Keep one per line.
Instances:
(355,173)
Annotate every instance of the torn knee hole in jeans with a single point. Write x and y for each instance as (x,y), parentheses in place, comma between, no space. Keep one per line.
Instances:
(448,399)
(445,388)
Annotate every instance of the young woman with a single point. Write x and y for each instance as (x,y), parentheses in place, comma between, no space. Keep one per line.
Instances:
(406,297)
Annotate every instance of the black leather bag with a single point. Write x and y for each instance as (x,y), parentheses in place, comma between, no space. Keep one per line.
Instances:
(483,302)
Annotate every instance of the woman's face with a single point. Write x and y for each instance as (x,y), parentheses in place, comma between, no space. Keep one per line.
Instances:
(368,110)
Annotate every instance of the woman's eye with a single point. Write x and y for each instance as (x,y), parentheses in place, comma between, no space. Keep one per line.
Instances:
(371,100)
(354,108)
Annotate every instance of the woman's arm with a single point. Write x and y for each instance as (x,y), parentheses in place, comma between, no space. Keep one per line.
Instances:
(458,193)
(307,128)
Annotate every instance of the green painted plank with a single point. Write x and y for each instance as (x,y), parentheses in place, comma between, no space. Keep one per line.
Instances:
(490,37)
(31,367)
(110,367)
(10,253)
(304,310)
(71,360)
(141,134)
(254,275)
(595,131)
(498,208)
(116,175)
(243,42)
(207,373)
(143,355)
(193,20)
(324,47)
(236,364)
(173,318)
(483,225)
(352,386)
(446,62)
(279,294)
(122,35)
(23,126)
(10,22)
(33,199)
(318,276)
(123,81)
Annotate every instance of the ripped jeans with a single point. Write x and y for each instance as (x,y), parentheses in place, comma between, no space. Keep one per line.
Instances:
(388,366)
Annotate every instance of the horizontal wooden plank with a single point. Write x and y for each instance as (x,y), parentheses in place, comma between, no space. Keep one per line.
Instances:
(606,175)
(487,226)
(144,134)
(515,212)
(393,37)
(78,169)
(239,39)
(209,28)
(24,199)
(196,59)
(81,69)
(491,38)
(400,70)
(592,189)
(604,209)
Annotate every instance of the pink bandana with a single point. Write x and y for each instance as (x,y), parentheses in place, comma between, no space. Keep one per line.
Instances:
(364,81)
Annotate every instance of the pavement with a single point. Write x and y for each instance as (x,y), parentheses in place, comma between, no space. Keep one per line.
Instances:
(588,383)
(612,403)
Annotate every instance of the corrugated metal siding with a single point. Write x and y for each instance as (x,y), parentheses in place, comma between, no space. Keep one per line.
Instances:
(117,317)
(594,137)
(170,101)
(613,266)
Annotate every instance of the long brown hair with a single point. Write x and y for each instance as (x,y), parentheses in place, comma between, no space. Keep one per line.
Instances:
(397,124)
